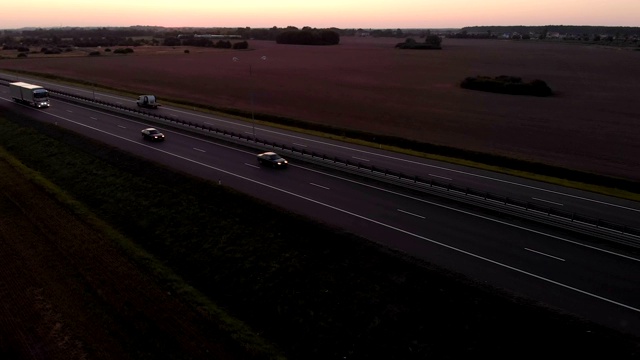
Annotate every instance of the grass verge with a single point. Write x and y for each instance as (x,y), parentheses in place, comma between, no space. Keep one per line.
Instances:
(254,345)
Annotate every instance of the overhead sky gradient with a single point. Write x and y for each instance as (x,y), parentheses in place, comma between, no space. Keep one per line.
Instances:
(345,14)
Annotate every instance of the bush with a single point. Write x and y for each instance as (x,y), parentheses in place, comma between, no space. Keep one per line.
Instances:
(186,51)
(107,50)
(418,46)
(123,51)
(51,51)
(241,45)
(431,42)
(22,55)
(22,49)
(507,85)
(94,53)
(308,37)
(223,44)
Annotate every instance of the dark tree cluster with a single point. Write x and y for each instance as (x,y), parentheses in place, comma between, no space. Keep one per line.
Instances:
(507,85)
(97,33)
(194,41)
(431,42)
(308,37)
(258,34)
(55,50)
(123,51)
(385,33)
(222,44)
(204,42)
(241,45)
(19,48)
(83,37)
(107,41)
(273,32)
(464,34)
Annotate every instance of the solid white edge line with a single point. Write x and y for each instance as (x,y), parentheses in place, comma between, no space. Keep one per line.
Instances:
(541,253)
(441,177)
(547,201)
(412,214)
(320,186)
(357,158)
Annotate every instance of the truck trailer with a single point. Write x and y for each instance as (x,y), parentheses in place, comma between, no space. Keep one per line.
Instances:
(34,95)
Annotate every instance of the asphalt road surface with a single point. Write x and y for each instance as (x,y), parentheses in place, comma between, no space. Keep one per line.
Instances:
(570,272)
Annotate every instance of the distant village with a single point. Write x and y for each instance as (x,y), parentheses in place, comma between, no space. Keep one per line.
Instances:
(579,33)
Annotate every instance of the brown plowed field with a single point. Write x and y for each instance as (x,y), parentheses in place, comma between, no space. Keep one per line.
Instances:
(366,84)
(67,293)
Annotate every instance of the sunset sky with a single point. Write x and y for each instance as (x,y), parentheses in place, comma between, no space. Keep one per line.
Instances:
(378,14)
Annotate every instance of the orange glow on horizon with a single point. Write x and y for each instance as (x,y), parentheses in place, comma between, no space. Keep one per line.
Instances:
(328,13)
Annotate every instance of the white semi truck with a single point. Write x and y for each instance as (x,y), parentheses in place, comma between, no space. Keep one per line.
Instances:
(34,95)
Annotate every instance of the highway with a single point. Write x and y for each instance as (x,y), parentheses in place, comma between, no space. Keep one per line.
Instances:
(573,273)
(615,210)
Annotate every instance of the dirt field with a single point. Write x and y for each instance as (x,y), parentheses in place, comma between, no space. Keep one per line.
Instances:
(67,293)
(366,84)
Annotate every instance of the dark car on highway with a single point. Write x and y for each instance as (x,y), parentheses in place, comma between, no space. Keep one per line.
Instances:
(272,159)
(152,134)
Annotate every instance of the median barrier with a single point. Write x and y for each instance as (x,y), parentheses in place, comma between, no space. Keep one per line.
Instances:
(616,232)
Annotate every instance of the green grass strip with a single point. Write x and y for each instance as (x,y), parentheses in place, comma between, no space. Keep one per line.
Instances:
(30,141)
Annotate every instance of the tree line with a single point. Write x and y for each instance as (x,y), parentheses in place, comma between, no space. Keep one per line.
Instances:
(155,35)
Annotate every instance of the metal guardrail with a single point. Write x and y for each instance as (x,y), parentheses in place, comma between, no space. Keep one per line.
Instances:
(623,233)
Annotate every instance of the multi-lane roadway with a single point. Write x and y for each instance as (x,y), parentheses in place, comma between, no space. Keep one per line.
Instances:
(570,272)
(596,206)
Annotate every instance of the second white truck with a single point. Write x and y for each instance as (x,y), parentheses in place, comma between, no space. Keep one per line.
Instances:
(148,101)
(34,95)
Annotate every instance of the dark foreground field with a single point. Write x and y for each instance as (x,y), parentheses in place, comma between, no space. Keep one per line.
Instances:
(367,85)
(192,277)
(67,292)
